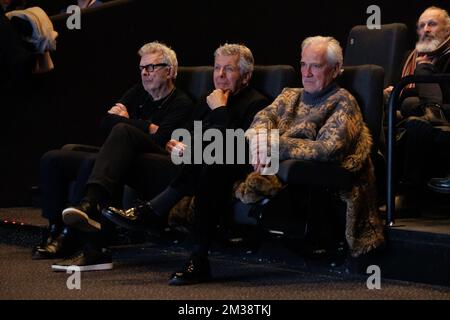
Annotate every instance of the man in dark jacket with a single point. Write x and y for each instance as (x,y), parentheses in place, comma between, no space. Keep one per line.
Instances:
(138,128)
(427,143)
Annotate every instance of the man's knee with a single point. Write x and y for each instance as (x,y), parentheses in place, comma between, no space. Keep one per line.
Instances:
(122,128)
(122,132)
(410,106)
(417,124)
(418,129)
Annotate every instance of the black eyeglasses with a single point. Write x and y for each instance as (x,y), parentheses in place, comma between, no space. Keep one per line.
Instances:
(151,67)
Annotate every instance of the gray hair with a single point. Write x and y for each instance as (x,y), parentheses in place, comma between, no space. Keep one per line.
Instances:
(334,50)
(246,61)
(444,13)
(169,56)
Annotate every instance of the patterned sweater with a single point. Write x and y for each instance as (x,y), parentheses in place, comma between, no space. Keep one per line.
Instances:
(328,127)
(320,127)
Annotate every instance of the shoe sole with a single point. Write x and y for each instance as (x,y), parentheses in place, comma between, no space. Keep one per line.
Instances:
(80,220)
(96,267)
(120,223)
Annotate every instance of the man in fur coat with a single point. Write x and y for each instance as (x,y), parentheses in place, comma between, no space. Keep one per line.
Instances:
(322,122)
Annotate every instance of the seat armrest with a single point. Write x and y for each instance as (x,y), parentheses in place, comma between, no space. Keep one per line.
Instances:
(80,147)
(300,172)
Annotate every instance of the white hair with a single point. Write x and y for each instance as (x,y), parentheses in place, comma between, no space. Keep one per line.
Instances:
(246,61)
(169,56)
(334,50)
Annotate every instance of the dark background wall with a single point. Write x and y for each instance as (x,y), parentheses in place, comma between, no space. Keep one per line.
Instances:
(95,65)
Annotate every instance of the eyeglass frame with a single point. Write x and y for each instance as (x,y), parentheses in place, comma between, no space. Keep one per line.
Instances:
(153,66)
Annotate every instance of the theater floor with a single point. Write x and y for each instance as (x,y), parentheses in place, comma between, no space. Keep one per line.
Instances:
(141,272)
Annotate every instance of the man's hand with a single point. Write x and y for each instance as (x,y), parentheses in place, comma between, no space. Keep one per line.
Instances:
(175,146)
(424,59)
(217,98)
(152,128)
(387,91)
(119,110)
(258,149)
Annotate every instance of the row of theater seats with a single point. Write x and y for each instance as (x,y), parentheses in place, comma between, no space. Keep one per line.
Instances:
(365,82)
(384,49)
(269,80)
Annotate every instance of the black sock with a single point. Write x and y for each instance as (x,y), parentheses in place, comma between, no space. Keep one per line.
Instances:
(163,202)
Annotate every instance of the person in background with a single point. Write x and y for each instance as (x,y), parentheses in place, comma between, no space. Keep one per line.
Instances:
(426,112)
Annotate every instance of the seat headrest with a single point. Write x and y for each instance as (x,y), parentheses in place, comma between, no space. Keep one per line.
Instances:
(365,83)
(270,80)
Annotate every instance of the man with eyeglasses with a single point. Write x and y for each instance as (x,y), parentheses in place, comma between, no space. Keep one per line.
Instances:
(231,105)
(426,109)
(138,127)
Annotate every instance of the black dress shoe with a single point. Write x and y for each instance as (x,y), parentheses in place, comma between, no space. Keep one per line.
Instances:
(196,270)
(137,218)
(57,245)
(441,185)
(84,217)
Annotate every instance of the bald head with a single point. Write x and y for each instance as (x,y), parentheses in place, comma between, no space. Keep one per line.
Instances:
(433,28)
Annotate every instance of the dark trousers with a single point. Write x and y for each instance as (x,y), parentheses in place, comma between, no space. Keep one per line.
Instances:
(125,158)
(117,154)
(212,186)
(427,152)
(63,175)
(428,92)
(423,93)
